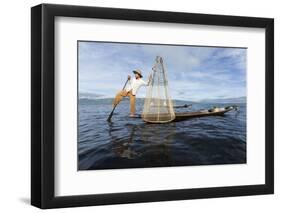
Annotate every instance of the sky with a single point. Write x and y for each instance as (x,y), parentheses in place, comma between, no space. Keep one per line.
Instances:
(194,72)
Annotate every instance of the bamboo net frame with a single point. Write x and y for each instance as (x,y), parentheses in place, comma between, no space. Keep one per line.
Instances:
(158,106)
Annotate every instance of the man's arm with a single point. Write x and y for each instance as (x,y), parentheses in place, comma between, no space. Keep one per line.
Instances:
(130,79)
(129,85)
(145,83)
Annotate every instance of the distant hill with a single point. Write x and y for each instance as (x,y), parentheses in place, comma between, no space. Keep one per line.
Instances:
(86,95)
(225,100)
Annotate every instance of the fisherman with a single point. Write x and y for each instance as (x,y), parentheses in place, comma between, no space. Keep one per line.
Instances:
(131,91)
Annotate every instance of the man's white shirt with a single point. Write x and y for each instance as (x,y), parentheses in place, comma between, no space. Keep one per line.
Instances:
(135,84)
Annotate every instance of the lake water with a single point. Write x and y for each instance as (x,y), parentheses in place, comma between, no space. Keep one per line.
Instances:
(131,143)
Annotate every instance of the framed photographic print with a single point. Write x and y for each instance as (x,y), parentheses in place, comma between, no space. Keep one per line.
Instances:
(139,106)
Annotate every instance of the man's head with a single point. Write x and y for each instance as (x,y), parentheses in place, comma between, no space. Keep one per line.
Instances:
(137,73)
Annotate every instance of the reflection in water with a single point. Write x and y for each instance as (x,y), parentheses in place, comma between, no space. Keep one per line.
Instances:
(124,147)
(131,143)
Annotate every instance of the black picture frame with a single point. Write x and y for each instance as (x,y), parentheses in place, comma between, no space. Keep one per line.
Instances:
(43,102)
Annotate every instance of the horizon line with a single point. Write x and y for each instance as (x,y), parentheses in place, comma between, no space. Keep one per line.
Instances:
(191,100)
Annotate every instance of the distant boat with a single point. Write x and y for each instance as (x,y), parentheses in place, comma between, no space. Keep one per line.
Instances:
(183,106)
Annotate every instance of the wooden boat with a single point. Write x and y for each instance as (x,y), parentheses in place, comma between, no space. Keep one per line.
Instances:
(180,116)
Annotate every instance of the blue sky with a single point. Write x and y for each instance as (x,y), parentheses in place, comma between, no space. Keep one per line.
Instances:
(194,73)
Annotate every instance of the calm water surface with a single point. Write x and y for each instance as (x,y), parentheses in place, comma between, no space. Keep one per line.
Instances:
(130,143)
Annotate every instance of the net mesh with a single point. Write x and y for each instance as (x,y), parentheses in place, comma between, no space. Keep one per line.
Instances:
(158,106)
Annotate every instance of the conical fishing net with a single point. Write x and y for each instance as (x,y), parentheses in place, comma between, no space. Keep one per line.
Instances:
(158,106)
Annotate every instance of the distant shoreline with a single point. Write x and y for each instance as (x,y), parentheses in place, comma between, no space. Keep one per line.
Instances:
(225,100)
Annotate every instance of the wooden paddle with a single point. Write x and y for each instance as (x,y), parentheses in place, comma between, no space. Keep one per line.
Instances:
(111,114)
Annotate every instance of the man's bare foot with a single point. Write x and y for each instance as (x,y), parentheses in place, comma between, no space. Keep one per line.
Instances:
(132,115)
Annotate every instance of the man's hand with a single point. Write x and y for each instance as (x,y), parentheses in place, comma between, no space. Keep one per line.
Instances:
(129,77)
